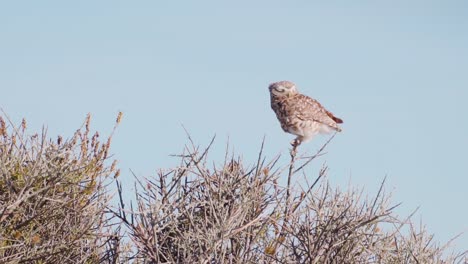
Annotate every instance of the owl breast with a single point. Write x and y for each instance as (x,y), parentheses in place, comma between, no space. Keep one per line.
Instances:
(279,107)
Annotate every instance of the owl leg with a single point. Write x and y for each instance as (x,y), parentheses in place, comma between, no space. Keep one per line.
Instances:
(296,142)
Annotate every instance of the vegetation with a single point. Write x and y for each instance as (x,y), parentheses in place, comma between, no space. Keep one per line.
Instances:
(55,207)
(53,197)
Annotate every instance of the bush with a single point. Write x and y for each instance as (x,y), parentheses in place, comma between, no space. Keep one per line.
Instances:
(55,207)
(53,197)
(238,214)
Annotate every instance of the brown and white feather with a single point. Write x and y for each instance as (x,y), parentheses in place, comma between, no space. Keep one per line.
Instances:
(299,114)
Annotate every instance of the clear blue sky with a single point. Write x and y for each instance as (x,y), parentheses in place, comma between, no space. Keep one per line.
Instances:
(396,72)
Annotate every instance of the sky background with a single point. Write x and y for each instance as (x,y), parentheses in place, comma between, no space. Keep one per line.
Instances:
(396,72)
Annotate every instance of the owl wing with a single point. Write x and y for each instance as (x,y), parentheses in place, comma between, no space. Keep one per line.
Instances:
(311,109)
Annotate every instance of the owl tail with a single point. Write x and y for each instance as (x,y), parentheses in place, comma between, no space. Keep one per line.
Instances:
(336,119)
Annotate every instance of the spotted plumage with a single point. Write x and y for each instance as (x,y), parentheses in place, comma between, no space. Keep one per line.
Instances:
(299,114)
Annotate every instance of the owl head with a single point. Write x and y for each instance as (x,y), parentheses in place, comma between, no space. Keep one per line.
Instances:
(282,88)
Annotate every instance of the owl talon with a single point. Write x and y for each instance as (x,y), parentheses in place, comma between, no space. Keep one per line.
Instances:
(295,143)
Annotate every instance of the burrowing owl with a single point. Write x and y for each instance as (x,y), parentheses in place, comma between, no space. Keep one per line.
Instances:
(299,114)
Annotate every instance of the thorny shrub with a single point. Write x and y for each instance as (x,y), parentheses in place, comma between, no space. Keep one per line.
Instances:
(53,197)
(55,207)
(232,213)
